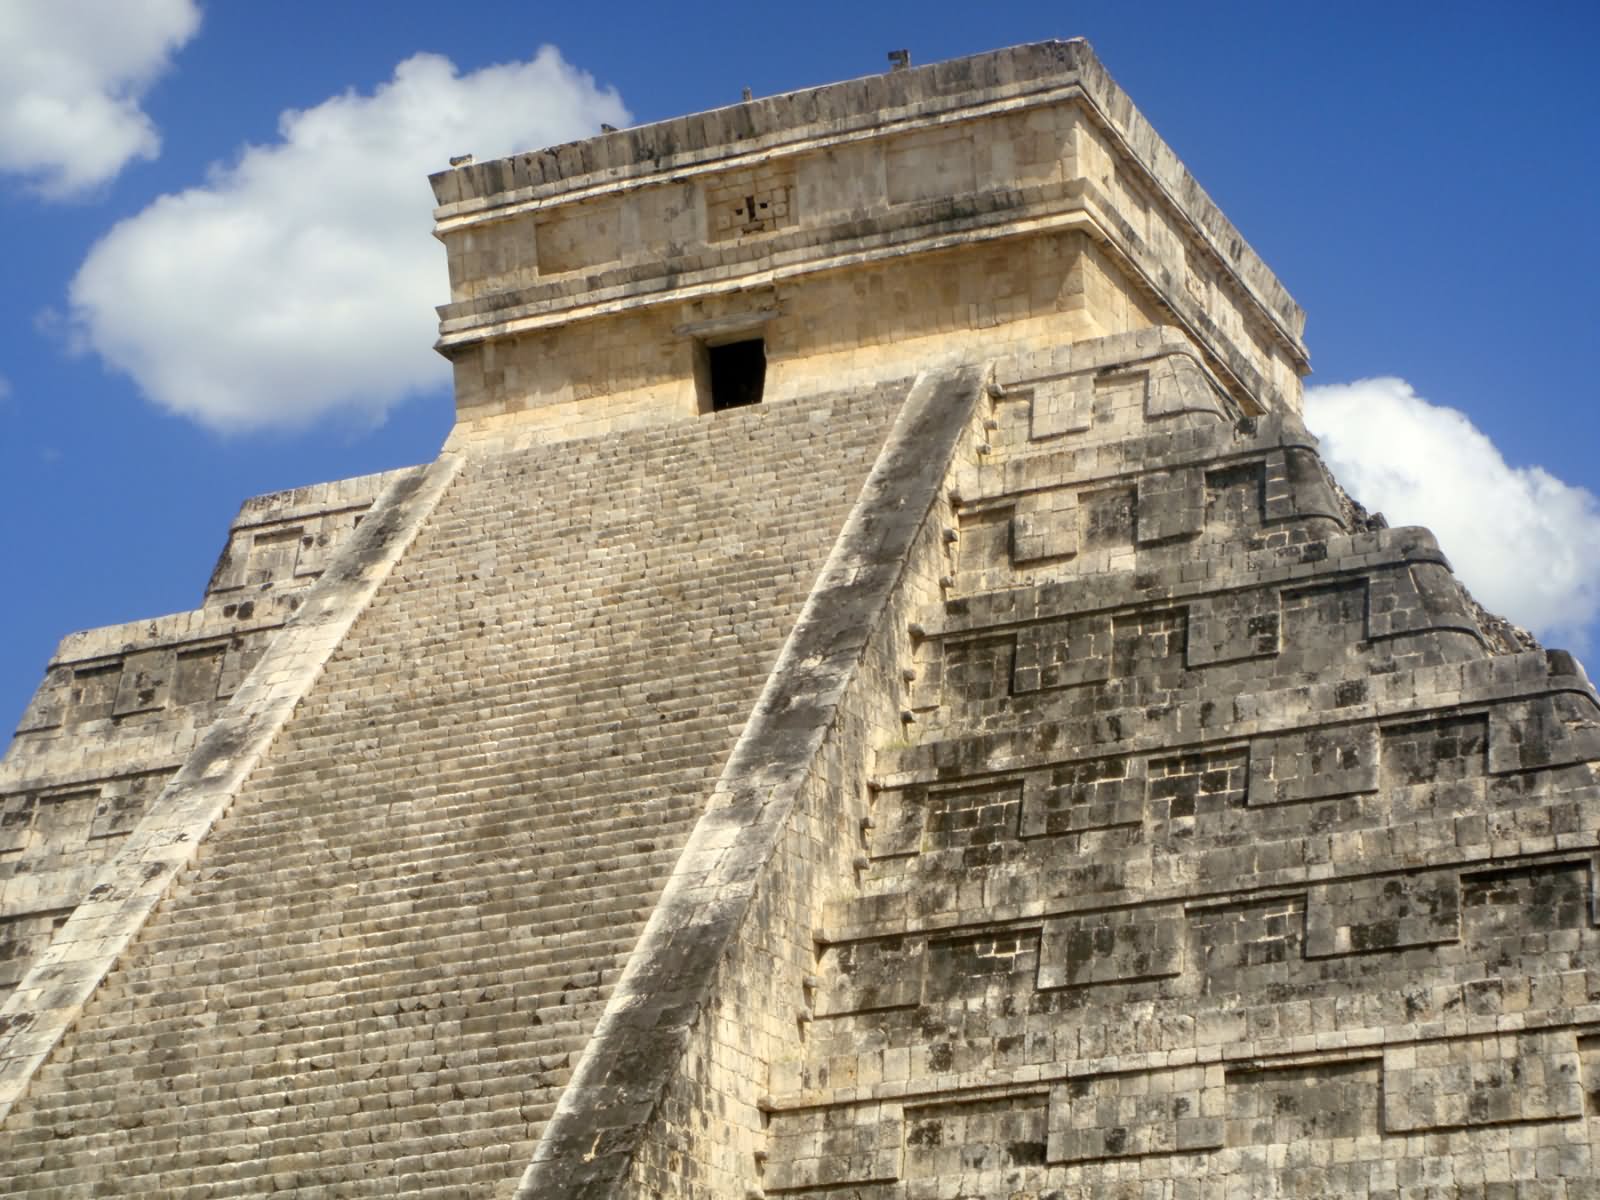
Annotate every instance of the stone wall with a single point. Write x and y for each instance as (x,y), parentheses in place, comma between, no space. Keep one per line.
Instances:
(1229,854)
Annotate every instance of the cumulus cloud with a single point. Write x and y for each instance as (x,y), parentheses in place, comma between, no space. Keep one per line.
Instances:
(75,71)
(300,280)
(1522,540)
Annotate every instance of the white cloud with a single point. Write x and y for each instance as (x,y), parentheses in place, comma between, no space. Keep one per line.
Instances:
(75,71)
(300,281)
(1523,541)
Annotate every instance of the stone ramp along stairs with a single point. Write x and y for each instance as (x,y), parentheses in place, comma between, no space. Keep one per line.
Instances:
(378,971)
(1226,846)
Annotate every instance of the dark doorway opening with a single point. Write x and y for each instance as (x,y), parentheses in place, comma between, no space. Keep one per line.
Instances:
(738,371)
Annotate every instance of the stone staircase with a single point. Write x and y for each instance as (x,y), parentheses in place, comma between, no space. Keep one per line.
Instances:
(1231,849)
(122,706)
(378,976)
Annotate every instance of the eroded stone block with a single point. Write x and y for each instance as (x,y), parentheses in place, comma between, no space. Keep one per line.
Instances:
(870,975)
(1112,947)
(1171,504)
(1232,627)
(1363,916)
(1314,764)
(1498,1080)
(1061,654)
(1125,1116)
(1547,731)
(1292,1105)
(1098,793)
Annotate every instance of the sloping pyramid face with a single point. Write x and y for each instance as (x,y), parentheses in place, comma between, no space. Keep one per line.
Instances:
(395,945)
(1228,855)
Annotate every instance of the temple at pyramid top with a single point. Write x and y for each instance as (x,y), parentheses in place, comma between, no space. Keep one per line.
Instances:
(859,230)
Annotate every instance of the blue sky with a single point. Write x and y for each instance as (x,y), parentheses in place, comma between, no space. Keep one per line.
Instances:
(1421,177)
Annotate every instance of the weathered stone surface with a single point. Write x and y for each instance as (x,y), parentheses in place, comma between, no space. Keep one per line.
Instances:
(879,698)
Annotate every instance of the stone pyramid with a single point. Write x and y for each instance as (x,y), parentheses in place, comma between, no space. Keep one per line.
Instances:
(878,697)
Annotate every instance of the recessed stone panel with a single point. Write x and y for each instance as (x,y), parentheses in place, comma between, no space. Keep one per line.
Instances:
(972,818)
(1503,1079)
(1293,1105)
(1061,654)
(1106,519)
(899,816)
(1235,498)
(1547,731)
(978,668)
(1044,526)
(1125,1116)
(1148,641)
(1096,793)
(964,1140)
(1364,916)
(870,975)
(1232,627)
(1516,903)
(1314,764)
(1238,945)
(1112,947)
(1186,786)
(827,1147)
(1061,406)
(146,682)
(1171,505)
(1448,749)
(986,968)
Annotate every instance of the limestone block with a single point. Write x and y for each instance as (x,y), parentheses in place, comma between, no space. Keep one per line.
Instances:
(1233,626)
(1363,916)
(1171,504)
(1549,731)
(1123,1116)
(1498,1080)
(1314,764)
(869,976)
(1099,793)
(1112,947)
(1062,654)
(1061,406)
(1044,526)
